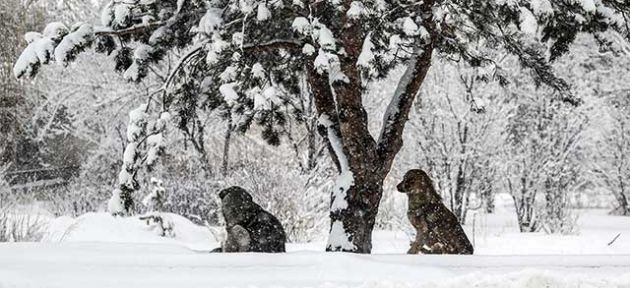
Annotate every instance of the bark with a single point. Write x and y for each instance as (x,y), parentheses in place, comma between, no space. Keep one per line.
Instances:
(390,140)
(311,140)
(624,207)
(226,148)
(325,104)
(460,195)
(622,200)
(488,198)
(525,209)
(126,196)
(360,216)
(359,149)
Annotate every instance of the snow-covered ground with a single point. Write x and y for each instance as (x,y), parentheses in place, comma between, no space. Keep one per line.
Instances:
(88,265)
(97,250)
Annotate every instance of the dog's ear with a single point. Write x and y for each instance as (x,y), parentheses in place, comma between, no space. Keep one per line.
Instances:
(403,186)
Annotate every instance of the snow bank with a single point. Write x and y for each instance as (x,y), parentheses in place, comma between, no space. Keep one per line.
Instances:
(98,250)
(102,227)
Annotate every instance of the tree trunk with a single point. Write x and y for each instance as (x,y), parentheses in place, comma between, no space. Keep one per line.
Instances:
(363,163)
(126,197)
(226,148)
(488,199)
(358,219)
(525,214)
(624,207)
(460,195)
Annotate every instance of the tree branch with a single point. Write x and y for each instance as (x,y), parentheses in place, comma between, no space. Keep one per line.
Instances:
(289,44)
(390,140)
(325,104)
(127,31)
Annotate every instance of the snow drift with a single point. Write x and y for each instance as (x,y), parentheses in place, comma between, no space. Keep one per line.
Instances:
(103,227)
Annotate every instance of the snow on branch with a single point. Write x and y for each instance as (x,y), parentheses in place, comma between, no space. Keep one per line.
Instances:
(390,139)
(366,58)
(40,49)
(393,109)
(145,144)
(78,40)
(345,180)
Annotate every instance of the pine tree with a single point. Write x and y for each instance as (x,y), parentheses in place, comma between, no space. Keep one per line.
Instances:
(248,56)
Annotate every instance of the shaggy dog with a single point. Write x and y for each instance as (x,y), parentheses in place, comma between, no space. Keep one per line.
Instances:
(437,229)
(249,227)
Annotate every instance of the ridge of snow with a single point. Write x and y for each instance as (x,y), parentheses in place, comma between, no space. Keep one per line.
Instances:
(38,52)
(129,156)
(263,12)
(229,74)
(410,28)
(137,122)
(529,24)
(210,21)
(345,180)
(246,6)
(102,227)
(122,14)
(298,3)
(229,94)
(541,7)
(321,62)
(588,5)
(302,26)
(258,71)
(308,49)
(31,37)
(356,10)
(74,41)
(55,30)
(325,38)
(367,55)
(114,204)
(339,238)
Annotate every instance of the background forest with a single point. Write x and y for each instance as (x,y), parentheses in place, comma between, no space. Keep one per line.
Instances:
(63,140)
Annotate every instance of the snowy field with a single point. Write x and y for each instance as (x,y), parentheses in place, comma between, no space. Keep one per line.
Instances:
(133,265)
(97,250)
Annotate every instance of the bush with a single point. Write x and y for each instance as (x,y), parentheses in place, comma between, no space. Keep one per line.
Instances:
(300,201)
(16,227)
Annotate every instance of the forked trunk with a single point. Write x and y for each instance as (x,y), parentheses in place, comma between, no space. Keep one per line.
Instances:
(356,222)
(362,161)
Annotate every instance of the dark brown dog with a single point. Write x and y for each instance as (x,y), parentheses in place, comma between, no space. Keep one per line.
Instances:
(437,229)
(249,227)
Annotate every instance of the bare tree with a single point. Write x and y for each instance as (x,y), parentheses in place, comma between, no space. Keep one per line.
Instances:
(458,131)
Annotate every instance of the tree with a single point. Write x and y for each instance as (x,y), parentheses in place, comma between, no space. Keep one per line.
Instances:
(17,18)
(458,134)
(253,54)
(544,167)
(614,148)
(597,77)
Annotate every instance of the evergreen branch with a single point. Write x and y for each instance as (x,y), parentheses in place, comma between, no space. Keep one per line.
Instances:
(289,44)
(128,31)
(194,52)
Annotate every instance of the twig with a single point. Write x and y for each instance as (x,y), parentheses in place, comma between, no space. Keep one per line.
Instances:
(614,239)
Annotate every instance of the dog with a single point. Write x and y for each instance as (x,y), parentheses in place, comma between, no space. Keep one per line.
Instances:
(437,228)
(249,227)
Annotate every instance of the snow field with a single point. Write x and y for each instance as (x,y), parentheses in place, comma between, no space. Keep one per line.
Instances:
(98,250)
